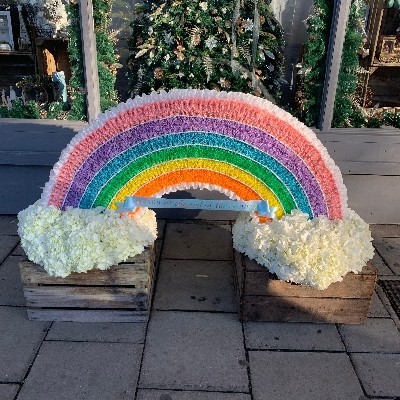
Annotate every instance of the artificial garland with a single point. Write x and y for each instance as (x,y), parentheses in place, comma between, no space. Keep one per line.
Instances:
(314,64)
(221,45)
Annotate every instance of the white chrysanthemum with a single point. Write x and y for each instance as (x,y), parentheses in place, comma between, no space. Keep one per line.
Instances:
(315,252)
(78,240)
(203,6)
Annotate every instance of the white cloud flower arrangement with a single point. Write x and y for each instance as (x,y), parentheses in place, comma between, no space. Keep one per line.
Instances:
(314,252)
(77,240)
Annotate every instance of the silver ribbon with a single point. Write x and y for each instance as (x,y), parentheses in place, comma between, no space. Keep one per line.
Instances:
(261,206)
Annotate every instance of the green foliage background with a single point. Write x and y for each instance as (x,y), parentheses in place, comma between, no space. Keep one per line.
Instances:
(182,44)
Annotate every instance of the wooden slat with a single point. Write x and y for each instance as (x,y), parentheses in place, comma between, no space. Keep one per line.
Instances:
(43,122)
(86,297)
(295,309)
(267,298)
(239,277)
(142,257)
(46,158)
(117,275)
(370,152)
(385,231)
(48,314)
(252,265)
(134,272)
(369,168)
(353,286)
(384,131)
(153,265)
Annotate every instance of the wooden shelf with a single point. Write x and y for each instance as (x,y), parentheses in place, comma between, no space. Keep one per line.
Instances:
(41,39)
(16,53)
(377,63)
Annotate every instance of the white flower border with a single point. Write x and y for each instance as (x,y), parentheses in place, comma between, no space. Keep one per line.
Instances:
(78,240)
(314,252)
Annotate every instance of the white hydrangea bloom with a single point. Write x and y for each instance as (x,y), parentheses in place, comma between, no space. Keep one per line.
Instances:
(315,252)
(78,240)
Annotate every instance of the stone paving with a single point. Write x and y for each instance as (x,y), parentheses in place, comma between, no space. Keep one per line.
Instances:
(194,347)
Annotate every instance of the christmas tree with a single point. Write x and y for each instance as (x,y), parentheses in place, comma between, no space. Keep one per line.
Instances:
(215,44)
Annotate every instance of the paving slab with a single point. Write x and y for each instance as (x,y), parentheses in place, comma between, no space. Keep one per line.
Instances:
(292,336)
(205,241)
(379,373)
(19,341)
(377,309)
(11,292)
(195,285)
(158,248)
(389,249)
(379,264)
(160,228)
(194,351)
(8,392)
(83,371)
(303,375)
(97,332)
(148,394)
(19,251)
(8,225)
(7,243)
(376,335)
(385,230)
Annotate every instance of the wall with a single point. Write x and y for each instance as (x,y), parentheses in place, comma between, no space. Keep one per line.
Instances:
(28,151)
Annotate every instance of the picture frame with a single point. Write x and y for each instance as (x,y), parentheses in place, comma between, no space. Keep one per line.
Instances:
(388,49)
(6,34)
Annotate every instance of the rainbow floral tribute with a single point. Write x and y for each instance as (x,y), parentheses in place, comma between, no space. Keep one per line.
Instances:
(235,143)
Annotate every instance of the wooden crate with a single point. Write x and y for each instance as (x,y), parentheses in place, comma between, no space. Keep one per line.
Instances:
(122,293)
(263,297)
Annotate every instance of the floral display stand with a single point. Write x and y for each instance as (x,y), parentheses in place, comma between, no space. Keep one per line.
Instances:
(263,297)
(121,293)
